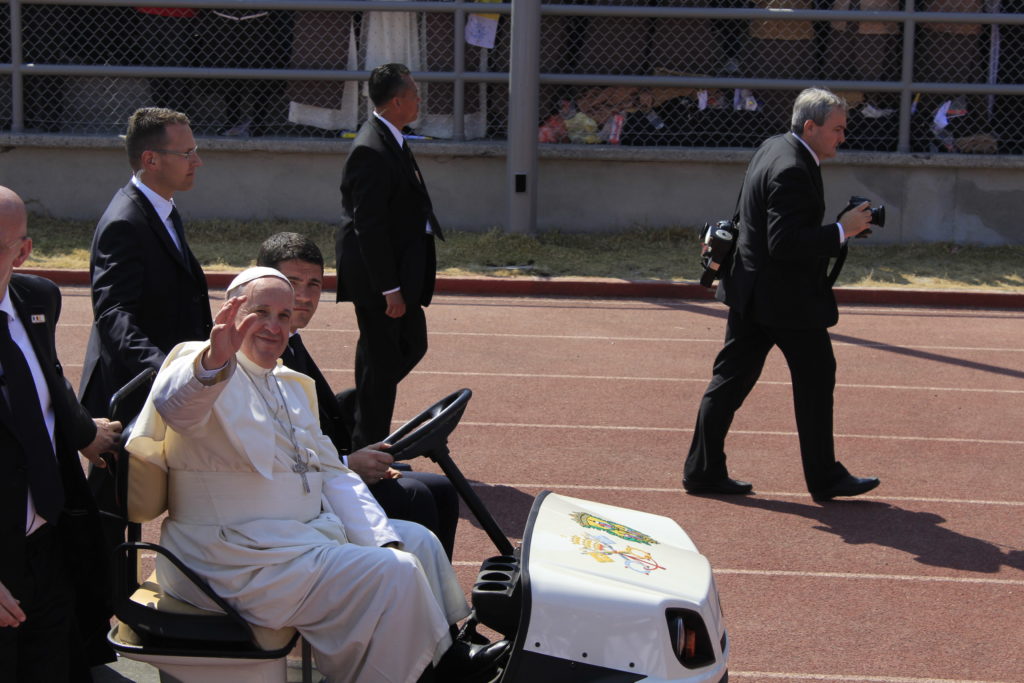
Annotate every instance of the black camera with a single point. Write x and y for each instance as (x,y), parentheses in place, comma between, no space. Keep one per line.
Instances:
(877,213)
(718,241)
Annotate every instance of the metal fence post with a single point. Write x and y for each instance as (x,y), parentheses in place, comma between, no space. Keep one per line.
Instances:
(17,80)
(524,102)
(459,70)
(906,78)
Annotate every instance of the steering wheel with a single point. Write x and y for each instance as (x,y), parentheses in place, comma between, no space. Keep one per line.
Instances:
(428,432)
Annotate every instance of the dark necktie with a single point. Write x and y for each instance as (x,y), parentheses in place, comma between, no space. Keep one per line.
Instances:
(23,400)
(300,357)
(434,227)
(179,229)
(412,160)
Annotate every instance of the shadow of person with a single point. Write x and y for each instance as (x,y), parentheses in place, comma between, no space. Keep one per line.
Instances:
(920,534)
(509,506)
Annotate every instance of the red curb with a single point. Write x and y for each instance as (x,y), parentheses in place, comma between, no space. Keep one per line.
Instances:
(597,288)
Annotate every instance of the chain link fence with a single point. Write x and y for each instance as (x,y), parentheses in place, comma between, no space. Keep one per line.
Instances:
(730,71)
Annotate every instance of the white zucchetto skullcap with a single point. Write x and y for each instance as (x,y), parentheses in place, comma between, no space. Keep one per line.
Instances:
(250,274)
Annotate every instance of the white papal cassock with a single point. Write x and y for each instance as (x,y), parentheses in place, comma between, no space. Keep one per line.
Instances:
(241,517)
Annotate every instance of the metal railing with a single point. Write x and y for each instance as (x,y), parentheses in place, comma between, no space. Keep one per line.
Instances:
(921,75)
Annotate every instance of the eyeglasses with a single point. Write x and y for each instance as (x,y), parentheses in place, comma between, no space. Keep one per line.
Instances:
(187,156)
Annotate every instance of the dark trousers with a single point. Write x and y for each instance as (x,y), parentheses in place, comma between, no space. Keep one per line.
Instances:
(37,651)
(812,368)
(388,349)
(425,498)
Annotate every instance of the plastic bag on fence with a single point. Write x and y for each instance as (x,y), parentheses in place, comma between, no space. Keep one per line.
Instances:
(948,110)
(581,129)
(611,131)
(553,130)
(743,99)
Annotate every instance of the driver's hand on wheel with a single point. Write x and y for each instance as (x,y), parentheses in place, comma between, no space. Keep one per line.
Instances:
(371,463)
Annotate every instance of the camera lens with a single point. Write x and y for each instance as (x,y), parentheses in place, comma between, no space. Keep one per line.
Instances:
(878,216)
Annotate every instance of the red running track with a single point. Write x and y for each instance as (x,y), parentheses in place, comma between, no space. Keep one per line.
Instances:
(921,581)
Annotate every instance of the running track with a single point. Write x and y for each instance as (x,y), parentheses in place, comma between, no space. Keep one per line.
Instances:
(921,581)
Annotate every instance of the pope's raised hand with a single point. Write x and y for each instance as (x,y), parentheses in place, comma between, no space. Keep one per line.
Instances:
(227,333)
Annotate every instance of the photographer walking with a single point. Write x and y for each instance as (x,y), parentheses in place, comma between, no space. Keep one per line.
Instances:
(779,294)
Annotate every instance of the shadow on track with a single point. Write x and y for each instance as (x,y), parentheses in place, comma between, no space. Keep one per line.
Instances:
(509,506)
(917,533)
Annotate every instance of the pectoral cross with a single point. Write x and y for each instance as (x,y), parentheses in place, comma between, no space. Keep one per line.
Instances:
(300,468)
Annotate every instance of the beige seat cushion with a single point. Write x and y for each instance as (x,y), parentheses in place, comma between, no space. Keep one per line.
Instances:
(147,491)
(151,595)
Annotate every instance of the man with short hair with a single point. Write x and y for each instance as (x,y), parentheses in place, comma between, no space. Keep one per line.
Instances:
(423,497)
(53,604)
(262,508)
(148,290)
(385,251)
(779,294)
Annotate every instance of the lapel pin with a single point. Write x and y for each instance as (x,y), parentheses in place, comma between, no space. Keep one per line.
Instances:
(37,318)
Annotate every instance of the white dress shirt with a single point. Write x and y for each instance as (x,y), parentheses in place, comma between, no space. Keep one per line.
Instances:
(162,206)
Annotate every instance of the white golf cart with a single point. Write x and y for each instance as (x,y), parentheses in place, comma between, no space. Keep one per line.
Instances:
(594,593)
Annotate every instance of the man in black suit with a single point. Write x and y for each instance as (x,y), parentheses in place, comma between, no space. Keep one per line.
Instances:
(423,497)
(385,251)
(148,290)
(53,597)
(779,294)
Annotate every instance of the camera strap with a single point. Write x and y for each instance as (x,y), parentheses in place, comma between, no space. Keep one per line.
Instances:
(838,265)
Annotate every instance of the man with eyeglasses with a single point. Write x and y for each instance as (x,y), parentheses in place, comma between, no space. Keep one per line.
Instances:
(148,291)
(53,603)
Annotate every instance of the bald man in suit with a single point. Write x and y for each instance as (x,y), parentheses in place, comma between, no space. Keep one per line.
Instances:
(54,607)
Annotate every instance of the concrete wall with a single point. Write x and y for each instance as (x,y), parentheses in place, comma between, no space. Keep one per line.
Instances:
(964,199)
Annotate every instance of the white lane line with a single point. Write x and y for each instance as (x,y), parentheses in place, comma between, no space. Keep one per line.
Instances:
(680,380)
(839,575)
(715,340)
(685,340)
(870,577)
(850,678)
(684,380)
(761,494)
(627,428)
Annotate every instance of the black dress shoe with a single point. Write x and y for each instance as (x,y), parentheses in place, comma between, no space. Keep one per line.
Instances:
(724,485)
(470,663)
(847,486)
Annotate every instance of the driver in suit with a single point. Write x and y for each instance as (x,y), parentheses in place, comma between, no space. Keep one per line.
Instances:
(779,294)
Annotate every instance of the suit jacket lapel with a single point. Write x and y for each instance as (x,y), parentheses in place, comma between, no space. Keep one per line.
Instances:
(37,325)
(158,227)
(297,357)
(38,334)
(807,158)
(403,158)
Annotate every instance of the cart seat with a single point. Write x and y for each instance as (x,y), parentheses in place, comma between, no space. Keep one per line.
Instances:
(185,642)
(149,594)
